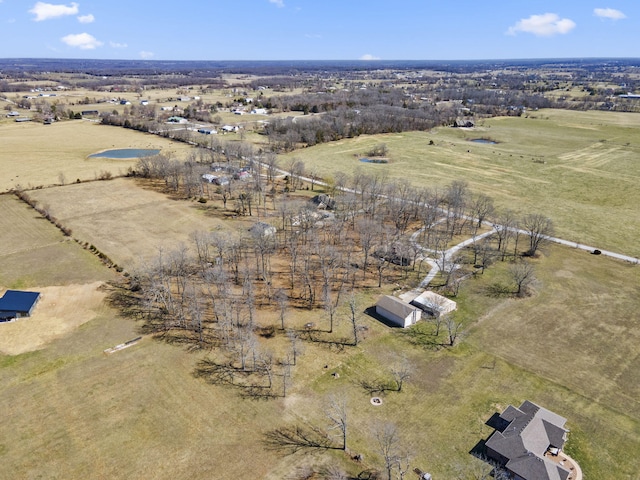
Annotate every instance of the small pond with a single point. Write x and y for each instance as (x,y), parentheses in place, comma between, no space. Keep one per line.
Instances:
(483,140)
(122,153)
(374,160)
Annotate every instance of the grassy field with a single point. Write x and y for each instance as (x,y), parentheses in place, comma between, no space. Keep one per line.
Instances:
(70,411)
(36,155)
(35,253)
(127,223)
(143,411)
(579,168)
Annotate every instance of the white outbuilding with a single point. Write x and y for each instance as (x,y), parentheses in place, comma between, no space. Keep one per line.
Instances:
(434,304)
(397,312)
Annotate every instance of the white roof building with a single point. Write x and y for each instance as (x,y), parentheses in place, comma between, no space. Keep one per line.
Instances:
(397,312)
(434,304)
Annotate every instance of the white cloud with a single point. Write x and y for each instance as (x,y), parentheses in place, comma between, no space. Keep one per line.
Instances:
(46,11)
(611,13)
(277,3)
(146,55)
(83,41)
(86,18)
(368,56)
(118,45)
(545,25)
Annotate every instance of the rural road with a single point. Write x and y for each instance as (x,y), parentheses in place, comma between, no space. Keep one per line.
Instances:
(452,250)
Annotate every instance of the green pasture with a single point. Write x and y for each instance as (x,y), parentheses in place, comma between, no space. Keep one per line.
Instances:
(579,168)
(70,411)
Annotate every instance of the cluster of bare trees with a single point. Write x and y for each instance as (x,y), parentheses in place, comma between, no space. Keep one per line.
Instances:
(347,122)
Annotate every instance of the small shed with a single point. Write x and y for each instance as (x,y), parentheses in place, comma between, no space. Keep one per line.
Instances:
(434,304)
(17,304)
(397,312)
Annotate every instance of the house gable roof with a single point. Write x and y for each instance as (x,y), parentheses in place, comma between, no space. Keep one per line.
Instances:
(523,436)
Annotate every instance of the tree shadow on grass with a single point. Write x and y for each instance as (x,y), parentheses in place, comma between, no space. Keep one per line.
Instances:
(376,387)
(226,373)
(324,337)
(293,438)
(499,290)
(422,335)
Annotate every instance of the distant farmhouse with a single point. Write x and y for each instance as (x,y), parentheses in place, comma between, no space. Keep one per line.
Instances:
(525,442)
(397,312)
(17,304)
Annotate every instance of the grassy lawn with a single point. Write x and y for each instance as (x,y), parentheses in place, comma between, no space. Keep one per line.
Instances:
(70,411)
(579,168)
(143,410)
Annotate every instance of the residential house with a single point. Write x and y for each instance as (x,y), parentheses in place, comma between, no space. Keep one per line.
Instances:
(523,439)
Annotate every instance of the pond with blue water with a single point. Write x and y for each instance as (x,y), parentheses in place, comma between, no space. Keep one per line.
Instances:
(374,160)
(122,153)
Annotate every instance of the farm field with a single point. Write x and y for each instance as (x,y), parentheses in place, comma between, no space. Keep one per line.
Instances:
(34,253)
(578,168)
(36,155)
(126,222)
(571,347)
(143,409)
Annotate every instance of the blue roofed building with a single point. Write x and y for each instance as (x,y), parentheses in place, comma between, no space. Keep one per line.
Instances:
(17,304)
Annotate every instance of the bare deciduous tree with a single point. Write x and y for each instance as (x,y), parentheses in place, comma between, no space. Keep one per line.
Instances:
(336,413)
(354,317)
(453,329)
(539,228)
(522,274)
(282,300)
(481,208)
(387,439)
(401,371)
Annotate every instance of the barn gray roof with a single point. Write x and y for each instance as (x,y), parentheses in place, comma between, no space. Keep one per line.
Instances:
(396,306)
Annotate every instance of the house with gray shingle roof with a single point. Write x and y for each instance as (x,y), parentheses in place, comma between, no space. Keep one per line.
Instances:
(521,439)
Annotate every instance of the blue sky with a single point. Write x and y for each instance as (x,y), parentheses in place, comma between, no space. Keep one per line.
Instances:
(319,29)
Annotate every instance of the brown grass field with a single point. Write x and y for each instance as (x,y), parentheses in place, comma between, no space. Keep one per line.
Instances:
(127,223)
(61,310)
(70,411)
(35,253)
(35,155)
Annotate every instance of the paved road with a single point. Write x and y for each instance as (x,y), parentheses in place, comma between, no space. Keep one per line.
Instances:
(434,267)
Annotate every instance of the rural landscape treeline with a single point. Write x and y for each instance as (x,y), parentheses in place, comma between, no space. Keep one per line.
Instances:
(267,300)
